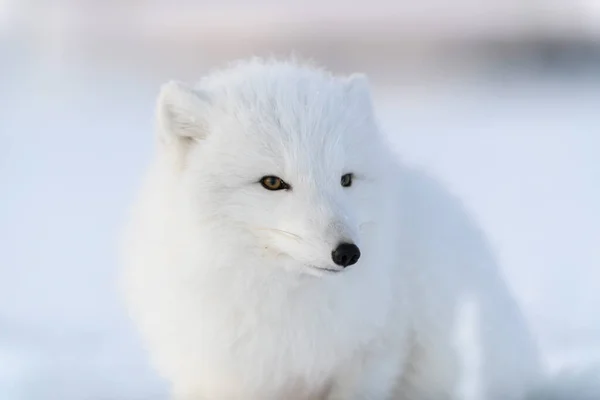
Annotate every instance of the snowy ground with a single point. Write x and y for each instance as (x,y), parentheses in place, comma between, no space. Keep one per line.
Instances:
(523,153)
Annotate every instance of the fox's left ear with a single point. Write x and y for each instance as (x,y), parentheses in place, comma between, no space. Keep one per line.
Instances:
(358,90)
(181,116)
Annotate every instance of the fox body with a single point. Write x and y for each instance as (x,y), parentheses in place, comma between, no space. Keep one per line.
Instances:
(280,250)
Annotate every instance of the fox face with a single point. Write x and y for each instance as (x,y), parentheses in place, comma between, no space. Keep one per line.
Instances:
(282,161)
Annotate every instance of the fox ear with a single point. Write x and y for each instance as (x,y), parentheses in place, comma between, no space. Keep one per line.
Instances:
(357,82)
(181,116)
(358,90)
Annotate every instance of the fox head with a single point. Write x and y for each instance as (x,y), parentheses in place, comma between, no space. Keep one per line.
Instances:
(280,161)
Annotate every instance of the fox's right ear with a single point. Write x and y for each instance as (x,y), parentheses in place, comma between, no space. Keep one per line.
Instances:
(181,116)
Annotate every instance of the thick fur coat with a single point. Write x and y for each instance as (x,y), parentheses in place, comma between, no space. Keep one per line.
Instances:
(234,286)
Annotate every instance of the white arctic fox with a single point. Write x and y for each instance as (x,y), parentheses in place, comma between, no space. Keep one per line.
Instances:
(279,250)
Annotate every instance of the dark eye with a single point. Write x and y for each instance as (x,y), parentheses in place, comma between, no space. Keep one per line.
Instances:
(273,183)
(346,180)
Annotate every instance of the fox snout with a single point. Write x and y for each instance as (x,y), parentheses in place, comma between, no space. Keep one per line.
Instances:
(345,254)
(327,236)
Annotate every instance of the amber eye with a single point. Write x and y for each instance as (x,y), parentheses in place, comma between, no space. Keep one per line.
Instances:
(346,180)
(273,183)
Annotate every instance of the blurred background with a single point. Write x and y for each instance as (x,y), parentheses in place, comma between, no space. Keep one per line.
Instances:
(499,98)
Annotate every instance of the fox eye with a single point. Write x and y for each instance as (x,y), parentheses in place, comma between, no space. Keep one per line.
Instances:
(273,183)
(346,180)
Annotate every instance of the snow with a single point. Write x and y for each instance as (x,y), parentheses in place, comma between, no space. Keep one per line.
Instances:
(521,151)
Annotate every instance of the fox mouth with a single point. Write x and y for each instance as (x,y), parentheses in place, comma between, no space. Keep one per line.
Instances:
(325,269)
(313,269)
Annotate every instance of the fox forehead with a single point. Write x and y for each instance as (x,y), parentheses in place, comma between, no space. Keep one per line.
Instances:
(260,142)
(285,153)
(289,114)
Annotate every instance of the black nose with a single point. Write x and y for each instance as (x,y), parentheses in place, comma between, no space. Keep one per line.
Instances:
(345,254)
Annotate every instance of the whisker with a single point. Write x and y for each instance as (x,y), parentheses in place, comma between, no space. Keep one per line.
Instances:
(281,231)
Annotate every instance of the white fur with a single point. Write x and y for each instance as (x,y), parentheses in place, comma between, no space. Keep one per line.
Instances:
(226,282)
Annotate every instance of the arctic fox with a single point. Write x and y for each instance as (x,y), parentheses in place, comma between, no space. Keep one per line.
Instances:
(279,250)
